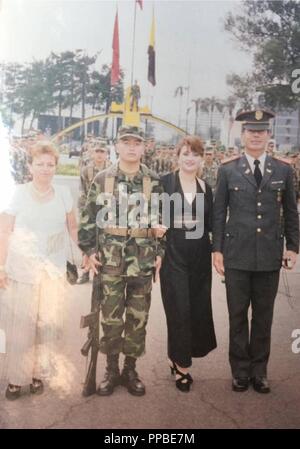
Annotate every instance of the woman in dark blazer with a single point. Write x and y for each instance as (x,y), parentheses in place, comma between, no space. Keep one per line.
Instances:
(186,270)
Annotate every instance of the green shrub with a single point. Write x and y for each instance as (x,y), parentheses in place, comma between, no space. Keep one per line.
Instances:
(67,170)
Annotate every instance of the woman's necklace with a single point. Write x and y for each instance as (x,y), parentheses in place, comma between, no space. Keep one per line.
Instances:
(41,194)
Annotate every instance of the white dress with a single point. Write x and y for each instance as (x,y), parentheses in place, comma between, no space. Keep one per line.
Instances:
(31,308)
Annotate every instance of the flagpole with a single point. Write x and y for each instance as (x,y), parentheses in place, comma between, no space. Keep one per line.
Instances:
(188,95)
(133,44)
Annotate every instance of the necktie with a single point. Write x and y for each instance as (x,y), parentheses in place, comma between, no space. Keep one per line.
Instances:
(257,172)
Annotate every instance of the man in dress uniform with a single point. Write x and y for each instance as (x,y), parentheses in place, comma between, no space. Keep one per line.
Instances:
(126,260)
(254,211)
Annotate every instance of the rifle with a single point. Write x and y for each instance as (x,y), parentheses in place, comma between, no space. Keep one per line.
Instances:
(92,344)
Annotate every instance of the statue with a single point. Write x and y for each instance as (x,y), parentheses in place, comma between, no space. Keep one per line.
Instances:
(135,95)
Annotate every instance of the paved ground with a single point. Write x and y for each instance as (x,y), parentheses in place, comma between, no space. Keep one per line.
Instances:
(210,404)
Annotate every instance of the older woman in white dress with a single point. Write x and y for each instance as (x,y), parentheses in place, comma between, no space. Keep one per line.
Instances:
(33,243)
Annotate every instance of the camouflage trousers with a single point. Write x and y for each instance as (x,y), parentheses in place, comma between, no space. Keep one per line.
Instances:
(129,296)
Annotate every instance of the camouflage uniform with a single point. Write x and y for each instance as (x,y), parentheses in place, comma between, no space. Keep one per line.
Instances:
(209,174)
(148,157)
(19,166)
(87,175)
(127,265)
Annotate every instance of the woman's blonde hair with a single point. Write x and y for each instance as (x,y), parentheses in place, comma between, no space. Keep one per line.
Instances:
(43,147)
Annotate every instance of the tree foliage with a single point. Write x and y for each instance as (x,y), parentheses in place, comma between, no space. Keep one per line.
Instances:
(56,85)
(270,31)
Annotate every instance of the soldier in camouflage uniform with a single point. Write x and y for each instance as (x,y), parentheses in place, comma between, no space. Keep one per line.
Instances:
(19,165)
(210,169)
(98,163)
(127,258)
(149,155)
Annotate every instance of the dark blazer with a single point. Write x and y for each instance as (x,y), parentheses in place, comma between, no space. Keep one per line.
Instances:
(169,182)
(258,218)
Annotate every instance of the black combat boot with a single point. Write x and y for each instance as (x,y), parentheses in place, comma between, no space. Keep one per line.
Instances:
(111,377)
(130,379)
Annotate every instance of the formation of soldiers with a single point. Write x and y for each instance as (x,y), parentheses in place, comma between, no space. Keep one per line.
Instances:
(159,157)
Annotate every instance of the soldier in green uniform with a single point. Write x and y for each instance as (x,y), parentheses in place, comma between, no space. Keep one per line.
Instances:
(149,154)
(98,163)
(19,165)
(128,257)
(210,169)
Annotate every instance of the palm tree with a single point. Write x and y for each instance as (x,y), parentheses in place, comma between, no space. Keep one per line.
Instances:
(229,105)
(213,103)
(187,118)
(200,105)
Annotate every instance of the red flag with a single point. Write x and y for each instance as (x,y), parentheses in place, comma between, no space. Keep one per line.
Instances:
(115,68)
(140,2)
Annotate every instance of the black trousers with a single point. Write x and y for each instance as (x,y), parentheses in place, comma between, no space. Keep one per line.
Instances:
(249,346)
(185,281)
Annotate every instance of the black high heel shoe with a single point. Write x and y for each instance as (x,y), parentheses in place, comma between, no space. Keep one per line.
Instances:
(173,368)
(180,383)
(13,392)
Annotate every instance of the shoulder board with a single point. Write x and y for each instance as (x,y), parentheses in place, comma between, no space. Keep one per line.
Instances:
(234,158)
(281,159)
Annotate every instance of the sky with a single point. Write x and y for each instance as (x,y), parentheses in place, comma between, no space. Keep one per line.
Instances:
(192,47)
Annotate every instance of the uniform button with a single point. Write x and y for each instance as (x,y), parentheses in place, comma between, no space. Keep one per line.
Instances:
(258,229)
(227,235)
(259,217)
(259,204)
(236,188)
(259,191)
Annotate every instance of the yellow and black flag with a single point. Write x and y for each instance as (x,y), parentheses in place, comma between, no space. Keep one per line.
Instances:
(151,54)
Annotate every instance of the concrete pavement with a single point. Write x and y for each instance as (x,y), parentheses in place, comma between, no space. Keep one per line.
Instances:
(210,404)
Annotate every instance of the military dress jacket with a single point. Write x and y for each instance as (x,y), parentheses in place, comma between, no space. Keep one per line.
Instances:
(250,223)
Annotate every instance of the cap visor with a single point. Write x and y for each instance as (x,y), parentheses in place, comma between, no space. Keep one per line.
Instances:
(256,126)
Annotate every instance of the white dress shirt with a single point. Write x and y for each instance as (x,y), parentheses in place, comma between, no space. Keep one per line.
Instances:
(262,160)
